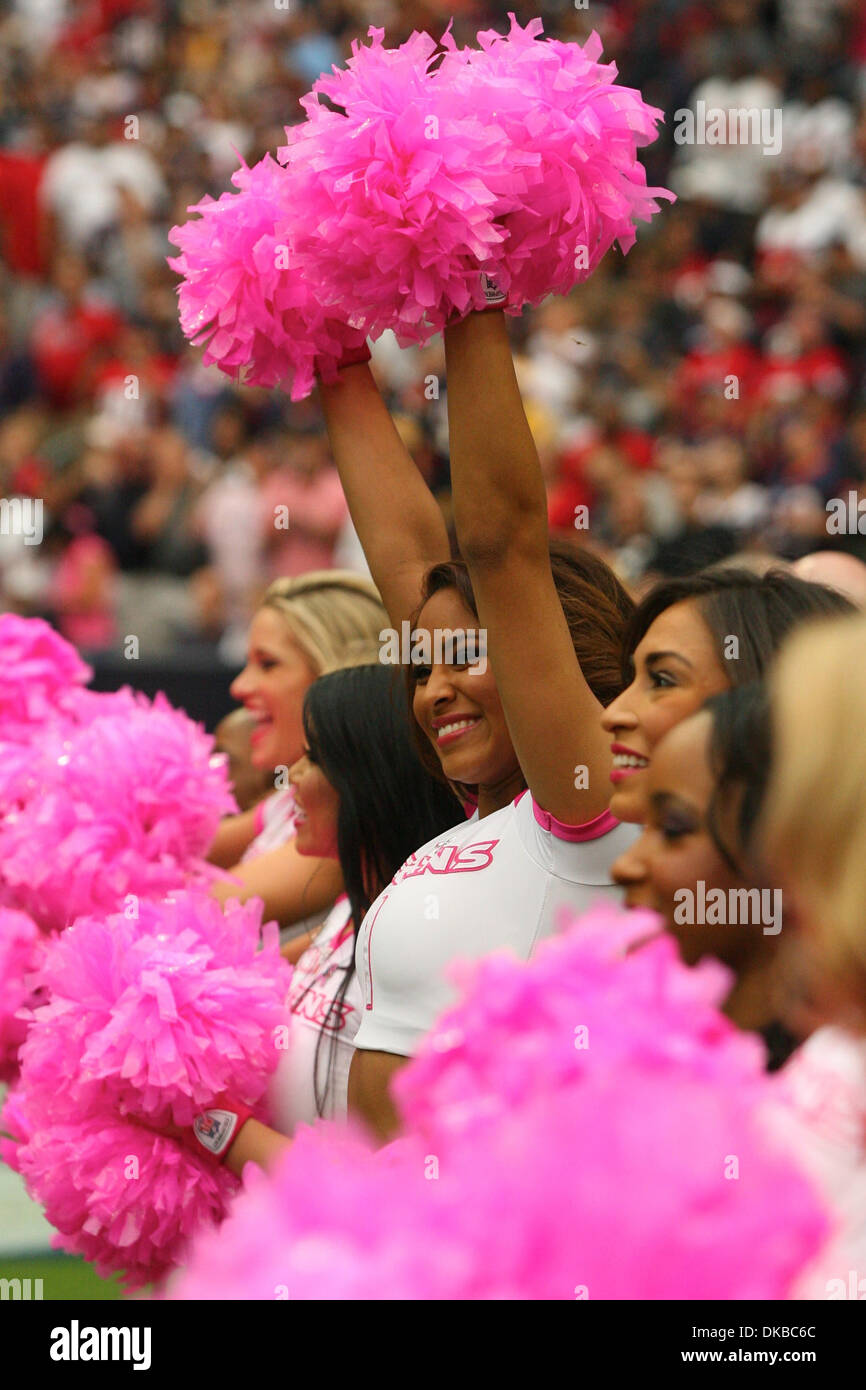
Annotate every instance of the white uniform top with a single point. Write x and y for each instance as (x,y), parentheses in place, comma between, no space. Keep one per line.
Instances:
(316,981)
(483,885)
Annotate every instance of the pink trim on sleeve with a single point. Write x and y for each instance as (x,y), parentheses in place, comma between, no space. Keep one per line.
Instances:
(590,830)
(259,816)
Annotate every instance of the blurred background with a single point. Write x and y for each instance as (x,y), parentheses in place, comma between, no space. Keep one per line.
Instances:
(704,396)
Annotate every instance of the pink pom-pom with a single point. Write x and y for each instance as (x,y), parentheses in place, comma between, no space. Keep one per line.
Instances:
(42,676)
(519,159)
(149,1019)
(127,803)
(154,1015)
(21,948)
(242,294)
(123,1196)
(574,132)
(570,1131)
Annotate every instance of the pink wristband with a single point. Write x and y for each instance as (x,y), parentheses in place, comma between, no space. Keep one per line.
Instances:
(215,1129)
(350,358)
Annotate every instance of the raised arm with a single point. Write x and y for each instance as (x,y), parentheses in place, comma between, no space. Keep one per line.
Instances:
(500,511)
(397,518)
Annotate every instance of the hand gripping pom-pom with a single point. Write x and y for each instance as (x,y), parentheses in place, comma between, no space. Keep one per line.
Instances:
(124,1197)
(149,1020)
(533,1166)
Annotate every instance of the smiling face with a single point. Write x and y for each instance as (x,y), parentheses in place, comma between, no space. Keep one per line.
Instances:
(677,668)
(317,805)
(676,850)
(272,686)
(458,707)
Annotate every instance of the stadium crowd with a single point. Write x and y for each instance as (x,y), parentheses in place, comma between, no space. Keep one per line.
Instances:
(704,395)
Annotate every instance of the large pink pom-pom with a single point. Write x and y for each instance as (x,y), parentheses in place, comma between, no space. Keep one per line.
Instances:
(519,159)
(242,294)
(20,957)
(584,1125)
(42,675)
(154,1015)
(127,803)
(149,1019)
(123,1196)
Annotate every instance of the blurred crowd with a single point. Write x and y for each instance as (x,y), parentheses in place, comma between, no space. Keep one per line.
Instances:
(703,396)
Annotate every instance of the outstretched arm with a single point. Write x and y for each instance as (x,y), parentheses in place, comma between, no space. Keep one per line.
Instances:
(397,518)
(291,885)
(500,511)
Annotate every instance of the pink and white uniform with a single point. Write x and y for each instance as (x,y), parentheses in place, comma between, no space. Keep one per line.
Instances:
(274,820)
(824,1126)
(316,982)
(498,882)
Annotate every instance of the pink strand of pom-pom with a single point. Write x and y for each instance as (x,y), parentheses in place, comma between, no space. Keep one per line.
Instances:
(392,209)
(21,949)
(556,102)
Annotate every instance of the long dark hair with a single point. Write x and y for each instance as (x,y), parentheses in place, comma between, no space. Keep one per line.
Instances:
(597,610)
(759,610)
(357,728)
(740,755)
(740,758)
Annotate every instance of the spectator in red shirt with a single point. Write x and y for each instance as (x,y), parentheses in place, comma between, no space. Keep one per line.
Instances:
(70,334)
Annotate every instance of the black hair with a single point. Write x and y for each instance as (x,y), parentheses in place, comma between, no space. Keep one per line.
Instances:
(759,610)
(740,758)
(357,727)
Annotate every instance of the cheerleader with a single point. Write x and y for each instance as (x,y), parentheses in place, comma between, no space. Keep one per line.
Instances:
(362,799)
(500,878)
(304,627)
(696,862)
(692,638)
